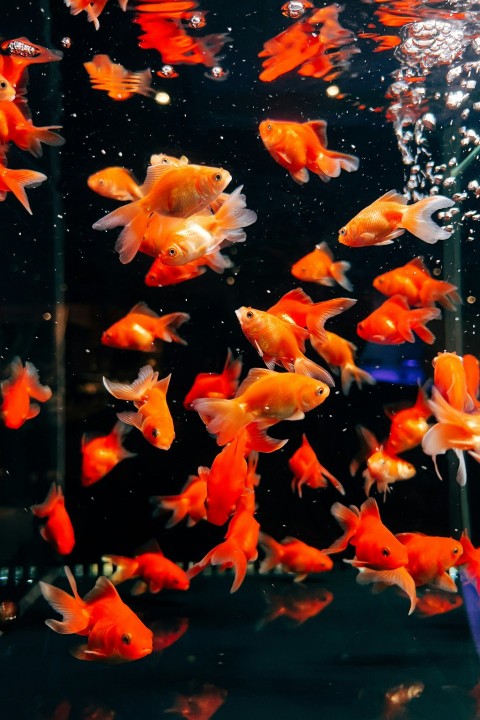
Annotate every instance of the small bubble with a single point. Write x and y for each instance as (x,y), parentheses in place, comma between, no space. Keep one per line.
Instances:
(471,299)
(436,271)
(230,281)
(47,316)
(217,73)
(295,9)
(66,43)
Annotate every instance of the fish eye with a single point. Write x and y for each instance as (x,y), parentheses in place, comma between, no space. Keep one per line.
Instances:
(269,127)
(455,551)
(3,85)
(154,433)
(218,177)
(385,551)
(108,336)
(126,638)
(249,315)
(172,251)
(380,281)
(319,391)
(101,182)
(342,231)
(360,326)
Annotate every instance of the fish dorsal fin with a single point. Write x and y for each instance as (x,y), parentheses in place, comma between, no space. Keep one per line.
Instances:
(102,590)
(252,377)
(398,300)
(141,308)
(301,334)
(418,263)
(319,127)
(407,536)
(163,383)
(296,295)
(151,546)
(290,539)
(370,508)
(325,249)
(155,173)
(392,196)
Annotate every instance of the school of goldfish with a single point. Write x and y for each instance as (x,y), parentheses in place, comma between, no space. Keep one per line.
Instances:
(184,217)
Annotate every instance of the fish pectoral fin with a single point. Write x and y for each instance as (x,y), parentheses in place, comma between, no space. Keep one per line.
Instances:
(399,576)
(258,349)
(33,411)
(367,237)
(139,588)
(297,415)
(131,418)
(300,176)
(299,578)
(83,653)
(445,582)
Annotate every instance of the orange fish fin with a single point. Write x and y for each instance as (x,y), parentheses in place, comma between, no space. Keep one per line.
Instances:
(103,588)
(445,582)
(140,588)
(33,411)
(445,293)
(338,270)
(391,196)
(44,509)
(75,618)
(300,577)
(417,262)
(118,217)
(146,380)
(296,295)
(417,218)
(130,239)
(253,375)
(216,262)
(348,519)
(415,320)
(42,393)
(300,176)
(303,366)
(350,373)
(232,368)
(400,577)
(224,418)
(141,308)
(126,567)
(257,439)
(273,553)
(154,174)
(17,180)
(323,311)
(38,135)
(319,127)
(168,323)
(369,509)
(368,444)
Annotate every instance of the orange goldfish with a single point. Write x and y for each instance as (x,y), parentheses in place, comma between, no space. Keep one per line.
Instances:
(340,353)
(116,183)
(114,631)
(297,603)
(199,705)
(415,283)
(300,147)
(383,468)
(173,191)
(15,57)
(393,323)
(22,385)
(279,343)
(298,308)
(118,83)
(161,275)
(155,570)
(225,480)
(216,385)
(58,530)
(379,555)
(469,561)
(93,8)
(437,603)
(16,181)
(189,503)
(141,328)
(293,556)
(408,425)
(309,471)
(101,454)
(264,397)
(430,558)
(389,216)
(318,267)
(16,128)
(450,380)
(149,395)
(238,549)
(471,366)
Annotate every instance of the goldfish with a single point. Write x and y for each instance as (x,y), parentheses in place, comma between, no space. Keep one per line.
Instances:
(279,343)
(309,471)
(225,480)
(22,385)
(379,555)
(116,183)
(16,181)
(318,267)
(238,549)
(141,328)
(430,558)
(409,425)
(383,467)
(118,83)
(389,216)
(216,385)
(437,603)
(101,454)
(469,561)
(161,275)
(155,570)
(450,379)
(15,57)
(58,530)
(189,503)
(339,353)
(297,307)
(201,704)
(393,323)
(168,190)
(264,397)
(471,366)
(16,128)
(114,632)
(7,91)
(300,147)
(396,698)
(417,286)
(149,395)
(298,604)
(293,556)
(93,8)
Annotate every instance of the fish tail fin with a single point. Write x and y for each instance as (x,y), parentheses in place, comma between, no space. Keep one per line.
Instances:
(400,577)
(338,270)
(417,218)
(416,320)
(178,505)
(38,135)
(226,554)
(351,372)
(146,380)
(72,608)
(128,242)
(122,216)
(368,444)
(445,293)
(273,552)
(303,366)
(126,567)
(223,418)
(42,393)
(216,262)
(320,312)
(259,441)
(44,509)
(421,403)
(232,368)
(348,519)
(330,163)
(18,180)
(118,434)
(168,324)
(233,216)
